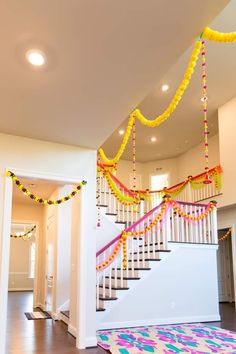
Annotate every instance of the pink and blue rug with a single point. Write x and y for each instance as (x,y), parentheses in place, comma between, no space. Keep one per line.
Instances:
(186,338)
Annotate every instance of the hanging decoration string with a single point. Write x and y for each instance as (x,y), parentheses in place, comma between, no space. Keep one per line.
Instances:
(25,236)
(227,234)
(167,202)
(162,117)
(42,200)
(205,119)
(134,155)
(216,36)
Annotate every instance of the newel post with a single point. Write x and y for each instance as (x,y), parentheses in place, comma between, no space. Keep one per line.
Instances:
(166,225)
(214,226)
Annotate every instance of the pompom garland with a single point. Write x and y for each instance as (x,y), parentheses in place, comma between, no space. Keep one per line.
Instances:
(42,200)
(25,235)
(167,201)
(162,117)
(227,234)
(216,36)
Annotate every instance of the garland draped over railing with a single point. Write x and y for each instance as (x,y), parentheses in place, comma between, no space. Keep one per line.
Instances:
(25,235)
(127,197)
(209,34)
(227,234)
(40,200)
(120,241)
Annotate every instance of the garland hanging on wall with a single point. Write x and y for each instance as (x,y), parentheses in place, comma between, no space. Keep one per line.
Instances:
(227,234)
(40,200)
(25,236)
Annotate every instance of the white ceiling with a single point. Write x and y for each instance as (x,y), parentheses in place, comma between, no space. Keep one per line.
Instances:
(184,129)
(42,188)
(103,58)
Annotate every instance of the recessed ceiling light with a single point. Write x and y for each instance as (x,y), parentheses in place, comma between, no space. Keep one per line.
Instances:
(153,139)
(35,57)
(121,132)
(165,87)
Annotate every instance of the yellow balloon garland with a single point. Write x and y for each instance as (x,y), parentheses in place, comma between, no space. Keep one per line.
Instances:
(216,36)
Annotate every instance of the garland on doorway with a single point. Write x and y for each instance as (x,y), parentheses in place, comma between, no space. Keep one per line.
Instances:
(227,234)
(40,200)
(24,236)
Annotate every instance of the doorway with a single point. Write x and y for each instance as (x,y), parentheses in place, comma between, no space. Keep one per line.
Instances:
(225,268)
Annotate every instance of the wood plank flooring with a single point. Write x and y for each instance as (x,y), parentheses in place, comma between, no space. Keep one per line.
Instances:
(50,337)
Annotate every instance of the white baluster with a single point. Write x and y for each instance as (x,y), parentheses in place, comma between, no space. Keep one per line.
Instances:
(214,226)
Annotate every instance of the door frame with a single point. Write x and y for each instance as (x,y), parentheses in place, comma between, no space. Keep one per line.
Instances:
(81,339)
(35,290)
(233,246)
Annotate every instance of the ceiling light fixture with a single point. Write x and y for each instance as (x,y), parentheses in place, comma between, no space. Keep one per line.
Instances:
(165,87)
(121,132)
(35,57)
(153,139)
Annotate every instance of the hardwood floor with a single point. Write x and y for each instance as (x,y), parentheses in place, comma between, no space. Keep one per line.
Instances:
(50,337)
(37,337)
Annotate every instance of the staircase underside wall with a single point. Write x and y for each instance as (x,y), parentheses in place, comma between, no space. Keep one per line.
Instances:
(181,288)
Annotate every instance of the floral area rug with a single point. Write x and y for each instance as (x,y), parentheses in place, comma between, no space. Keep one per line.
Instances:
(186,338)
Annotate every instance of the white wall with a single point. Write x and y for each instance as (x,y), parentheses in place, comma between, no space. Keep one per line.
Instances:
(192,162)
(178,289)
(227,130)
(19,265)
(52,161)
(33,213)
(189,163)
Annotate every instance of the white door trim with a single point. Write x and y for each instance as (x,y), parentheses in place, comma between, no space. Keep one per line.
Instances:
(5,253)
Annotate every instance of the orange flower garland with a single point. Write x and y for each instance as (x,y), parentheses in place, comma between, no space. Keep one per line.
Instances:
(228,233)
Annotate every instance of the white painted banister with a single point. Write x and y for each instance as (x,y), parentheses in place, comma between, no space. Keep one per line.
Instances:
(171,221)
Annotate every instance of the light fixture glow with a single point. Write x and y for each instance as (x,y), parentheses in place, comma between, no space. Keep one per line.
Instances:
(153,139)
(121,132)
(35,57)
(165,87)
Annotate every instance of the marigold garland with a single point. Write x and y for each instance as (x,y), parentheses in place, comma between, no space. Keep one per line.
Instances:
(124,235)
(216,36)
(42,200)
(25,234)
(162,117)
(228,233)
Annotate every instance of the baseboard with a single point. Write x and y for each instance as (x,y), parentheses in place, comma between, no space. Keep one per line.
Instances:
(159,321)
(54,316)
(20,289)
(72,330)
(91,342)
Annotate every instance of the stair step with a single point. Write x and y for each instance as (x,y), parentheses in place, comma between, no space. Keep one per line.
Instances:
(156,251)
(120,222)
(113,288)
(112,214)
(146,259)
(135,268)
(152,244)
(66,313)
(100,309)
(102,205)
(107,298)
(124,278)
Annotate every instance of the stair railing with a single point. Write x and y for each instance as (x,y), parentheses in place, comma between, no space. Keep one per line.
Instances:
(133,250)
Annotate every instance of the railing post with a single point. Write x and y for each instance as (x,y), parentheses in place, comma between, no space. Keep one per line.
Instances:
(214,226)
(142,202)
(189,192)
